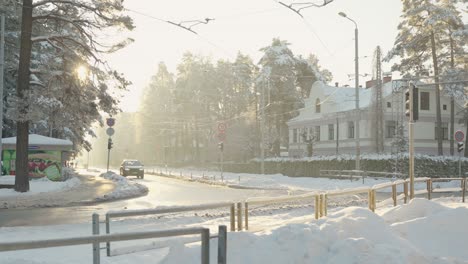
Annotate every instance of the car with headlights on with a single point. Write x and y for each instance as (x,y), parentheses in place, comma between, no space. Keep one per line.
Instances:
(132,167)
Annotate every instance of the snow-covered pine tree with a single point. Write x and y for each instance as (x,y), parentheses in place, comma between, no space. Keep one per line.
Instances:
(278,77)
(420,42)
(57,37)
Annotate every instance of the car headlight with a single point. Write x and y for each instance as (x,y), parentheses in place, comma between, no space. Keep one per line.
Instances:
(126,169)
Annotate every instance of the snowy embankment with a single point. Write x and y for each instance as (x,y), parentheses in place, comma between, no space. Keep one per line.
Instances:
(422,231)
(123,188)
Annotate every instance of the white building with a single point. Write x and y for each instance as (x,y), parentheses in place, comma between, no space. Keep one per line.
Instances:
(329,115)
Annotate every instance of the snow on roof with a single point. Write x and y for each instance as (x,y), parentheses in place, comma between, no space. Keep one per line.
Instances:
(35,139)
(342,97)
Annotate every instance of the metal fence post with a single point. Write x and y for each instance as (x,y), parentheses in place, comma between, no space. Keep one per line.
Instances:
(374,204)
(233,217)
(317,206)
(369,199)
(222,244)
(246,212)
(96,249)
(205,246)
(405,190)
(429,188)
(108,249)
(463,189)
(239,216)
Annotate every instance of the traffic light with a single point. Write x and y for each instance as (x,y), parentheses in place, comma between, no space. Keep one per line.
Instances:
(221,146)
(109,143)
(412,104)
(461,146)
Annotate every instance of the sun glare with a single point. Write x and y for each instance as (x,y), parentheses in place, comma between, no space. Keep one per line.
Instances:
(82,73)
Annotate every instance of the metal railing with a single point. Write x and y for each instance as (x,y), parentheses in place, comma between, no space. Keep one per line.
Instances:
(265,201)
(142,212)
(97,239)
(359,174)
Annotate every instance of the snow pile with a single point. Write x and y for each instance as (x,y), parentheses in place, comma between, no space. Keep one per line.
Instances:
(123,187)
(36,186)
(428,233)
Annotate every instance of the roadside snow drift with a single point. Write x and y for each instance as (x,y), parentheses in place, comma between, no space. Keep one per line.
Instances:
(428,233)
(123,189)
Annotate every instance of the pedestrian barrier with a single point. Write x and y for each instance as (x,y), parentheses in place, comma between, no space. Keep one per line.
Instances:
(359,174)
(142,212)
(265,201)
(97,239)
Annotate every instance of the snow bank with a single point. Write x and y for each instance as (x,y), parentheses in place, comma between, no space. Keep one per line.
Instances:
(352,235)
(123,189)
(36,186)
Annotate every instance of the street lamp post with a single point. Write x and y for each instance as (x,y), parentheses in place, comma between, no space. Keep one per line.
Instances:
(356,73)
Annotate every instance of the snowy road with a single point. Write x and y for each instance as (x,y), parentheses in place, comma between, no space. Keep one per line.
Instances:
(162,192)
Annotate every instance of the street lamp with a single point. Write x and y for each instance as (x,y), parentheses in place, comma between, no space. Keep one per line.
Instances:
(356,73)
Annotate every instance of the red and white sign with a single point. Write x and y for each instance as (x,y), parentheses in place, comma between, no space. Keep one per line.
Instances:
(222,136)
(459,136)
(221,127)
(110,121)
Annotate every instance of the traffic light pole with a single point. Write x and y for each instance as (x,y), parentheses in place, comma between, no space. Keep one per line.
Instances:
(108,152)
(411,140)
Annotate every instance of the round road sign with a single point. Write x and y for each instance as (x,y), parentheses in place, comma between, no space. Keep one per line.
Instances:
(110,121)
(110,131)
(221,127)
(459,136)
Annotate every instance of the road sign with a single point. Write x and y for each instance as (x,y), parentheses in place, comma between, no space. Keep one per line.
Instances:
(110,121)
(222,136)
(221,127)
(459,136)
(110,131)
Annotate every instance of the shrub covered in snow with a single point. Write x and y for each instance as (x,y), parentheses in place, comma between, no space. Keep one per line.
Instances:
(425,165)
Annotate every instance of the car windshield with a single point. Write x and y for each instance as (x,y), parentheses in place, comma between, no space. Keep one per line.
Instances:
(132,163)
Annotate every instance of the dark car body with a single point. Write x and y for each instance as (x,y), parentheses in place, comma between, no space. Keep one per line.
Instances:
(132,167)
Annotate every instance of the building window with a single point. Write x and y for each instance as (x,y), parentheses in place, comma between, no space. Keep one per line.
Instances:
(424,100)
(294,135)
(444,107)
(317,106)
(350,129)
(390,127)
(444,130)
(331,132)
(317,133)
(389,105)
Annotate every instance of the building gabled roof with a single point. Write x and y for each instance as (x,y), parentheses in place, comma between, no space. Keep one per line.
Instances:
(342,97)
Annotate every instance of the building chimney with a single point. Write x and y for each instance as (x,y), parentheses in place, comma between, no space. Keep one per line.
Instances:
(370,83)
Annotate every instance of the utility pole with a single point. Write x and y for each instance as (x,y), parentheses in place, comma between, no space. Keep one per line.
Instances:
(356,79)
(262,125)
(2,69)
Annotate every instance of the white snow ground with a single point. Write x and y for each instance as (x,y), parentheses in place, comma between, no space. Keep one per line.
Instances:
(422,231)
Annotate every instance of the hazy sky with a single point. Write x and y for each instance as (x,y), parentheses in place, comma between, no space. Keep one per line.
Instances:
(247,26)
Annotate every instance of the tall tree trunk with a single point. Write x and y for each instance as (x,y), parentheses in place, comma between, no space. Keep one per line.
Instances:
(452,100)
(437,88)
(22,134)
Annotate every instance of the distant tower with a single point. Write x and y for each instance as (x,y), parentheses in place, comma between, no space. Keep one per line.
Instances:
(377,104)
